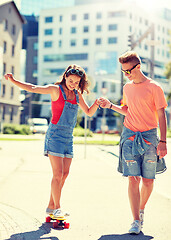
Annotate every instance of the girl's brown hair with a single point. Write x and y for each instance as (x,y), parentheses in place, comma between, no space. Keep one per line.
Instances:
(84,83)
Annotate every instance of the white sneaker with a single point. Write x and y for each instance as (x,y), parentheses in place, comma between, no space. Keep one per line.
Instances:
(57,213)
(49,211)
(142,217)
(135,227)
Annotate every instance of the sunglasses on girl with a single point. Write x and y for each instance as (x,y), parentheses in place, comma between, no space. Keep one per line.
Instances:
(74,71)
(129,70)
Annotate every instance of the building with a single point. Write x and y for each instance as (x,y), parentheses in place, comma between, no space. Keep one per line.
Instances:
(30,46)
(11,23)
(94,36)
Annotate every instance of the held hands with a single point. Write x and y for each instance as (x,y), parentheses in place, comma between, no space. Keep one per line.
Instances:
(8,76)
(103,102)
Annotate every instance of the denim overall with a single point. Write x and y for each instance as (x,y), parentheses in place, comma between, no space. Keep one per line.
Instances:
(59,137)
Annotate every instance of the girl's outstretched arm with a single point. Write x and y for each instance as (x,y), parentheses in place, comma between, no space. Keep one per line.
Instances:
(84,106)
(47,89)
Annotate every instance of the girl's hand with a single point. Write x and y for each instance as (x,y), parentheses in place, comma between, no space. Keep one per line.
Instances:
(104,103)
(8,75)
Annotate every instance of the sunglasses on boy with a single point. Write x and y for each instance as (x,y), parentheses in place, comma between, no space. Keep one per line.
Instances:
(74,71)
(129,70)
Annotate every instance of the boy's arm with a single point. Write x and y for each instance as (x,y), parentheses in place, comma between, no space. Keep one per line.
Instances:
(105,103)
(162,147)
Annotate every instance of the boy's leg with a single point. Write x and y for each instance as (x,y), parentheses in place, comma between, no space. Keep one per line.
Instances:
(134,196)
(146,190)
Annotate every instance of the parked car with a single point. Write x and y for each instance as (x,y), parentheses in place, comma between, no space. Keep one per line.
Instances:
(38,125)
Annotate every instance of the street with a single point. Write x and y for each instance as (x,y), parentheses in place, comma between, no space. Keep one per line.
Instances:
(94,194)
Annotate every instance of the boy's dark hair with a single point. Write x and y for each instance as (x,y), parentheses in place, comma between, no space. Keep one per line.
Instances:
(131,57)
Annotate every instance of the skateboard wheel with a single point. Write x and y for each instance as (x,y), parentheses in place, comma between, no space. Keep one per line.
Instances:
(55,224)
(66,225)
(48,219)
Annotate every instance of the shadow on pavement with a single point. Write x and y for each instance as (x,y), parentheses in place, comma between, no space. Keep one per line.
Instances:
(35,235)
(126,236)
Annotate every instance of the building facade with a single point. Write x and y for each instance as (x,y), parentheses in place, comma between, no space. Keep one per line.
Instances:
(10,43)
(94,36)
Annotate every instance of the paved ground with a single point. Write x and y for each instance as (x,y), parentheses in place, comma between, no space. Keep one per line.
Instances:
(95,195)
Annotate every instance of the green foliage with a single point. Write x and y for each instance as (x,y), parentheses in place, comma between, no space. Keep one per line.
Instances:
(16,129)
(169,133)
(168,71)
(79,132)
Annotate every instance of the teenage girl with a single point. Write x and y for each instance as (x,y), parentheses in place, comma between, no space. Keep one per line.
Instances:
(66,96)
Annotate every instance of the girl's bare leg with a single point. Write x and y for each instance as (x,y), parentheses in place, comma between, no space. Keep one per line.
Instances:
(60,169)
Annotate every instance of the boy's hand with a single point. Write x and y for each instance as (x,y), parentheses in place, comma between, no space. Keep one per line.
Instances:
(161,149)
(8,75)
(104,103)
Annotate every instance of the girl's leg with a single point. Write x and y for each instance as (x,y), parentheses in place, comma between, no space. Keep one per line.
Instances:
(57,169)
(60,168)
(134,196)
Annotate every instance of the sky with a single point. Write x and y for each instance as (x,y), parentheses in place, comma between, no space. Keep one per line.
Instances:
(155,3)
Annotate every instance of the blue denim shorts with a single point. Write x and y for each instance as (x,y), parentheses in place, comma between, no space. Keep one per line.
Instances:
(58,142)
(139,165)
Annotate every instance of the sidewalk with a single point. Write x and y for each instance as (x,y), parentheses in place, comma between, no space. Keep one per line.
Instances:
(95,195)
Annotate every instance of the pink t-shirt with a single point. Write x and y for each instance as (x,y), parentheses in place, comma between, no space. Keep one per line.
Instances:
(143,100)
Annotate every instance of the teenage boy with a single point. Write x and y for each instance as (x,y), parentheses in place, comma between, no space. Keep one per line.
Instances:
(144,108)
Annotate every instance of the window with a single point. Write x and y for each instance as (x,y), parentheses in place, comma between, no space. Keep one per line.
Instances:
(98,15)
(3,90)
(12,92)
(65,57)
(73,29)
(112,27)
(48,44)
(48,31)
(5,46)
(13,31)
(13,51)
(4,68)
(85,42)
(48,19)
(86,29)
(98,41)
(12,69)
(113,87)
(60,43)
(112,40)
(73,43)
(116,14)
(98,28)
(35,59)
(3,113)
(104,84)
(5,25)
(73,17)
(60,18)
(95,88)
(35,46)
(60,31)
(146,47)
(86,16)
(34,74)
(11,114)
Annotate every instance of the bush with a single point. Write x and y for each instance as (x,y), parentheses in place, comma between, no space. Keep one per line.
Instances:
(16,129)
(79,132)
